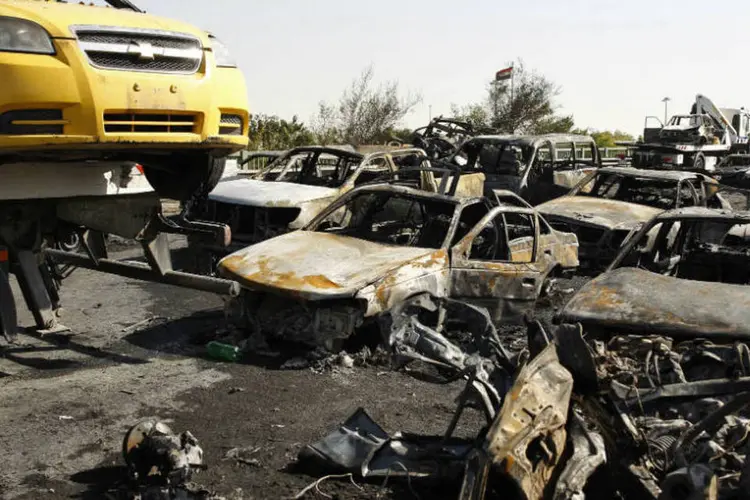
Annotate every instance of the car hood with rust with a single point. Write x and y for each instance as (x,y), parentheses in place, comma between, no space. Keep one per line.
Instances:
(610,214)
(637,301)
(255,193)
(316,265)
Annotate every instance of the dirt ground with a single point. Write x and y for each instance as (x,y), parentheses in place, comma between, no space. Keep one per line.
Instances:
(136,350)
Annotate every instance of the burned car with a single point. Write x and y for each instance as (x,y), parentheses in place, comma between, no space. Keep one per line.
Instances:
(287,194)
(607,205)
(539,168)
(442,136)
(380,244)
(688,129)
(664,369)
(734,170)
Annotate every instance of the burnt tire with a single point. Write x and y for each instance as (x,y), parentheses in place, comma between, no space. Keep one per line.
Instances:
(8,317)
(186,176)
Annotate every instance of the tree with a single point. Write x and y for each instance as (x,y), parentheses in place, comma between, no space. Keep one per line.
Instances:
(524,105)
(274,133)
(606,138)
(364,112)
(324,125)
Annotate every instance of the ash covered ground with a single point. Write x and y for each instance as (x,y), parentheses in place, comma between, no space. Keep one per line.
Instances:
(137,350)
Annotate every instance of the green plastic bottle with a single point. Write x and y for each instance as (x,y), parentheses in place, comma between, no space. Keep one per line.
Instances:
(224,352)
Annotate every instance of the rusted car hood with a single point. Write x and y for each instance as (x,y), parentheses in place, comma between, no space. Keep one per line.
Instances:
(639,301)
(251,192)
(596,211)
(315,265)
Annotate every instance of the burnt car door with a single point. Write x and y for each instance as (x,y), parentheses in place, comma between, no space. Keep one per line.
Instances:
(539,184)
(496,265)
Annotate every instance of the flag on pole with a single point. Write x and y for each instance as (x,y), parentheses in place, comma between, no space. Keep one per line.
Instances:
(504,74)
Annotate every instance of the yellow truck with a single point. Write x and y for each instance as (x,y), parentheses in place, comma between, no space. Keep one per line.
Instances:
(105,109)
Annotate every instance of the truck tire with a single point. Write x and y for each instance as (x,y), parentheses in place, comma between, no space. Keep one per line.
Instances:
(187,176)
(8,317)
(699,162)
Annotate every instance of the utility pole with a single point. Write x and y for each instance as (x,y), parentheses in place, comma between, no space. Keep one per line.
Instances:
(430,108)
(666,103)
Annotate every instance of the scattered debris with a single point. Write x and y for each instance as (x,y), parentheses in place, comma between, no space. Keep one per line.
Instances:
(160,462)
(140,324)
(223,352)
(244,455)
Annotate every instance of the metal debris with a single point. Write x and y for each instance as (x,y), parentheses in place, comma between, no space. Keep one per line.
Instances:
(161,463)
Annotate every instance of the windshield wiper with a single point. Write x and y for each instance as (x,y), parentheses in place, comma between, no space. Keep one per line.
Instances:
(124,4)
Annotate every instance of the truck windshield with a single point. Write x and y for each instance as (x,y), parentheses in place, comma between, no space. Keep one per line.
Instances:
(390,218)
(657,193)
(686,121)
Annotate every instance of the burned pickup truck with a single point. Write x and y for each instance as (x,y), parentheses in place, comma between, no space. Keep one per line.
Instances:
(608,204)
(539,168)
(382,243)
(287,194)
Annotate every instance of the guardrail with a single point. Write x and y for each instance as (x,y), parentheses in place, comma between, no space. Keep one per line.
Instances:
(609,156)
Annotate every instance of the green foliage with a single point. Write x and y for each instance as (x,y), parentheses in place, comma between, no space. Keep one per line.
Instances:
(364,113)
(476,114)
(274,133)
(523,106)
(554,125)
(606,138)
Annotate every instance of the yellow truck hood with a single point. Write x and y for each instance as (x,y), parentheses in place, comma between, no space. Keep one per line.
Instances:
(57,18)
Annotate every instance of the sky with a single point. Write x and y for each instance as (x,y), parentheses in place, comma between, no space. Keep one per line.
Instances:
(614,61)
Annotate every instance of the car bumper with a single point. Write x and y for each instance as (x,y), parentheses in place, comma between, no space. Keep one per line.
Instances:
(61,102)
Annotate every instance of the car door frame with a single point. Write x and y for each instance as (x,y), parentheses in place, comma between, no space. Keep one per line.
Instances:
(508,290)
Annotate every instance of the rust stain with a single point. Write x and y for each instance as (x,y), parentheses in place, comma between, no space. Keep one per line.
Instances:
(287,280)
(383,291)
(437,258)
(605,298)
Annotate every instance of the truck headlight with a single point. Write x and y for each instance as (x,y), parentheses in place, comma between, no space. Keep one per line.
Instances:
(221,53)
(20,35)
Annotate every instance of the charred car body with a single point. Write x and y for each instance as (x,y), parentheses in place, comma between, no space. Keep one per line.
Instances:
(664,368)
(734,170)
(381,244)
(442,136)
(287,194)
(607,205)
(539,168)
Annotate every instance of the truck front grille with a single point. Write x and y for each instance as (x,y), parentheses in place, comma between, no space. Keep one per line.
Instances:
(132,49)
(129,122)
